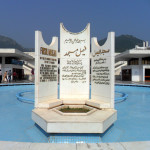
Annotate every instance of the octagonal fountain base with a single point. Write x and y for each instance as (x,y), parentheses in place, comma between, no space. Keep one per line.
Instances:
(97,120)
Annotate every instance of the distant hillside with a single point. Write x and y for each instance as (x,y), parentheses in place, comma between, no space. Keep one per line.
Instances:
(124,42)
(6,42)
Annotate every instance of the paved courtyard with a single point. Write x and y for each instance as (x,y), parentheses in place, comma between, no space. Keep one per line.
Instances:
(77,146)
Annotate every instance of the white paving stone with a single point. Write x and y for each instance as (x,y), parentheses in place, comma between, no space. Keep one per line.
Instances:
(141,145)
(14,145)
(100,146)
(145,145)
(50,146)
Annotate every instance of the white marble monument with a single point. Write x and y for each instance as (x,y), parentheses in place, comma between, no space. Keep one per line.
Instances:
(74,83)
(102,68)
(74,64)
(46,70)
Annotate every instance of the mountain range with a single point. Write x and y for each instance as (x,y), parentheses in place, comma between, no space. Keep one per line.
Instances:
(122,43)
(6,42)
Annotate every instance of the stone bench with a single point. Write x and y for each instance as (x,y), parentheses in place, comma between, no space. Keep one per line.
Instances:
(57,102)
(97,104)
(50,104)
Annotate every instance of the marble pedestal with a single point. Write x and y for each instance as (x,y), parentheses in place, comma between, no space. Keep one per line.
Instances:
(52,121)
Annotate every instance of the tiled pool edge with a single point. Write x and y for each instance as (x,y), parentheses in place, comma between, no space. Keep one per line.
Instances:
(137,85)
(16,84)
(6,145)
(117,84)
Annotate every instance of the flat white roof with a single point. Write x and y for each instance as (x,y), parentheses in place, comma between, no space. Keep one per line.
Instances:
(133,53)
(14,53)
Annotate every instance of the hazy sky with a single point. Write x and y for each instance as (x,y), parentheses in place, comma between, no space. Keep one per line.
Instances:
(20,18)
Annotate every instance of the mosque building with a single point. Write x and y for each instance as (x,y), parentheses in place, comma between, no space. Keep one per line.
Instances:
(138,63)
(15,60)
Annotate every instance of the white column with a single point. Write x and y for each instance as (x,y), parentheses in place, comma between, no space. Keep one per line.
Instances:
(140,61)
(3,64)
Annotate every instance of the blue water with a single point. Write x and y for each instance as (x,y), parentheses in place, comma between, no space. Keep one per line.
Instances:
(28,96)
(133,123)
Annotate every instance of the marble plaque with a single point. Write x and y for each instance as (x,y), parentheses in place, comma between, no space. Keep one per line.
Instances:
(46,71)
(74,64)
(102,78)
